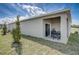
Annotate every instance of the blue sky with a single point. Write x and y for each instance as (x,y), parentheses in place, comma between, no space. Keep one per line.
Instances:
(8,12)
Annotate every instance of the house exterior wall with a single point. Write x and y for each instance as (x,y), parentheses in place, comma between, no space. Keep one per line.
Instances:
(32,27)
(10,27)
(55,23)
(65,27)
(36,27)
(64,33)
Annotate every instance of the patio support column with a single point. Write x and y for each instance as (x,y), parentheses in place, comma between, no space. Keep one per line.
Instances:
(63,25)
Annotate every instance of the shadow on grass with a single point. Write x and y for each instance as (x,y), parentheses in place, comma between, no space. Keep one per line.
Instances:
(70,48)
(18,48)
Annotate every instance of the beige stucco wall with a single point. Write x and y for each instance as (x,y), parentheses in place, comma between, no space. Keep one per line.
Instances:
(10,26)
(32,27)
(69,24)
(64,32)
(54,22)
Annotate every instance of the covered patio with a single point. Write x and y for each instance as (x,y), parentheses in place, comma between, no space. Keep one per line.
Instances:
(57,27)
(52,28)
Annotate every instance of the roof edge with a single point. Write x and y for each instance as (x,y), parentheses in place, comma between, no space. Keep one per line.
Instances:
(43,15)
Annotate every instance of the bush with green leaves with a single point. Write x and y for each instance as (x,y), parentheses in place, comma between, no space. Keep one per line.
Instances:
(16,32)
(4,29)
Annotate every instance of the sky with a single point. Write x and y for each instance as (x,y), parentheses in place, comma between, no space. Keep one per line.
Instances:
(9,11)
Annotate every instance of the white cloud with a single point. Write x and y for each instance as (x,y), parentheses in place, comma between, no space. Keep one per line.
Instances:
(11,19)
(76,22)
(33,10)
(7,20)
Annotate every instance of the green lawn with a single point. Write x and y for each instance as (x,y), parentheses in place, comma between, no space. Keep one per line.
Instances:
(32,45)
(5,43)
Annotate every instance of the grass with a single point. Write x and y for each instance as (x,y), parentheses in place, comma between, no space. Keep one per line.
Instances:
(5,43)
(74,30)
(57,48)
(32,45)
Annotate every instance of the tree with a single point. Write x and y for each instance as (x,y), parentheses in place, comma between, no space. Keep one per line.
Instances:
(4,29)
(17,36)
(75,26)
(16,32)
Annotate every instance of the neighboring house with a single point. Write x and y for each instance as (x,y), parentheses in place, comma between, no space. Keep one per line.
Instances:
(54,26)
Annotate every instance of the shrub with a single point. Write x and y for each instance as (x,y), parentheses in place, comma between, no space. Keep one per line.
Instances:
(76,32)
(4,29)
(16,32)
